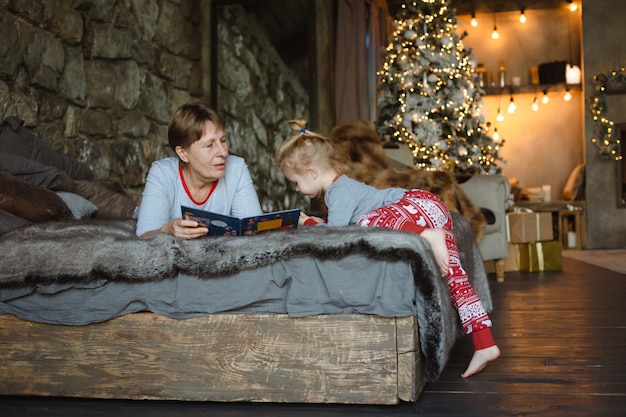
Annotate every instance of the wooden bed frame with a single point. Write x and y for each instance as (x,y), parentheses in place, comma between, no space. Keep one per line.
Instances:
(345,358)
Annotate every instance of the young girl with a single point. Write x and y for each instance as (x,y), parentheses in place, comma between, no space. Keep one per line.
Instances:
(308,160)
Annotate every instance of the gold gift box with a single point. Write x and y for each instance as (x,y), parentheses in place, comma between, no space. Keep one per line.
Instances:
(540,256)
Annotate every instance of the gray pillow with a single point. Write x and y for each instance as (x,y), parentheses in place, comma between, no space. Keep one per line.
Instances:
(18,140)
(80,207)
(34,172)
(9,221)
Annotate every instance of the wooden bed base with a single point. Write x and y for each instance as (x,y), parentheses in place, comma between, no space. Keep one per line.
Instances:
(347,358)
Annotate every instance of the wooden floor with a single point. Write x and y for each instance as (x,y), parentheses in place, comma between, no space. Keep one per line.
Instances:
(563,341)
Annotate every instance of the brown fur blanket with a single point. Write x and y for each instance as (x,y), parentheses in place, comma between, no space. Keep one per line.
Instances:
(362,147)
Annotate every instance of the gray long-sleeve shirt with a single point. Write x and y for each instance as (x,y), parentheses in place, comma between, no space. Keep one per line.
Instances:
(164,193)
(347,200)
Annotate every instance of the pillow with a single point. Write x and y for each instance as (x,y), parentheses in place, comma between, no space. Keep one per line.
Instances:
(9,221)
(108,196)
(575,185)
(35,173)
(80,207)
(31,202)
(17,140)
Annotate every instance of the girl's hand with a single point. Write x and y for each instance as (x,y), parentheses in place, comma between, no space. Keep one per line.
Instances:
(303,218)
(312,220)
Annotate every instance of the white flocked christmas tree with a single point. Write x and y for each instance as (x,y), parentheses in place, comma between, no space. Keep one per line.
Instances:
(429,97)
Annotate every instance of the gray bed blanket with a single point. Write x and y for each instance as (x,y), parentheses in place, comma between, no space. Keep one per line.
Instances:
(78,253)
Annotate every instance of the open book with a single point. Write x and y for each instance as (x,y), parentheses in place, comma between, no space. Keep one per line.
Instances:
(222,224)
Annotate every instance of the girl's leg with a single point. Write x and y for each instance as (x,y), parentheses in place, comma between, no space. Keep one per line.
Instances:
(417,211)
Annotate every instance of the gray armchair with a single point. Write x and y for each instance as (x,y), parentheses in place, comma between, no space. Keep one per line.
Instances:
(491,192)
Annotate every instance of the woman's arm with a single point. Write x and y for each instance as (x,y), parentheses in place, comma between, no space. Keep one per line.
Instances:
(157,212)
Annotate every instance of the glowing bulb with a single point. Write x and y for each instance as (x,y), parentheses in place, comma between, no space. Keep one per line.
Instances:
(474,21)
(496,135)
(545,98)
(568,95)
(500,116)
(572,6)
(522,17)
(512,106)
(535,106)
(495,34)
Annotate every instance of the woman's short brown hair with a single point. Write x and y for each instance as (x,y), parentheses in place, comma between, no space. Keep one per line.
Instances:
(187,124)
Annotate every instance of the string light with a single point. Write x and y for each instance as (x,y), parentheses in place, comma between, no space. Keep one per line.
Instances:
(474,21)
(496,135)
(568,95)
(495,34)
(522,17)
(604,137)
(545,98)
(512,106)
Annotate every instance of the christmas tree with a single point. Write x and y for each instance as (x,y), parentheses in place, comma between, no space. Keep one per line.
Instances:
(429,97)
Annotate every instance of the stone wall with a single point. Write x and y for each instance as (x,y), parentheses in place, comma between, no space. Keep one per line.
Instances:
(258,95)
(99,80)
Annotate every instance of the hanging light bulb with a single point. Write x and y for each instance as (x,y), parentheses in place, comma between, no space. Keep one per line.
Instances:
(500,116)
(545,98)
(522,17)
(512,106)
(568,95)
(572,6)
(474,21)
(496,135)
(535,106)
(495,34)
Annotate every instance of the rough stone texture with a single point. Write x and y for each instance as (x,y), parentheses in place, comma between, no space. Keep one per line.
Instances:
(257,95)
(99,79)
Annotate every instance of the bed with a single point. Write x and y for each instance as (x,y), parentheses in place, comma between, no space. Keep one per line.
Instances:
(324,315)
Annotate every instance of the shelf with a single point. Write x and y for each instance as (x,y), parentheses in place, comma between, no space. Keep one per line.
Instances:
(529,89)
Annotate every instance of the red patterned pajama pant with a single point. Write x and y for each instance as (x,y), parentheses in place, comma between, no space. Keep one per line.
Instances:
(416,211)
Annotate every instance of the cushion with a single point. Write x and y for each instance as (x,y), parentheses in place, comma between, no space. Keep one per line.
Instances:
(17,140)
(575,185)
(35,173)
(80,207)
(9,221)
(108,196)
(31,202)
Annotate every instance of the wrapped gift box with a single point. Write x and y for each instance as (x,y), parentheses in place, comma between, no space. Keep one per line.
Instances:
(540,256)
(511,262)
(529,226)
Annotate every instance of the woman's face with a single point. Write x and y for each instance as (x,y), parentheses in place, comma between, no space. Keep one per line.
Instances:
(206,157)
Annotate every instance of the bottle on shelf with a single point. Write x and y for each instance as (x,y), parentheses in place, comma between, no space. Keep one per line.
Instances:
(501,75)
(481,71)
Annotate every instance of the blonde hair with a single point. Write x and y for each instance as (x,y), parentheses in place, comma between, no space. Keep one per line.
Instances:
(306,147)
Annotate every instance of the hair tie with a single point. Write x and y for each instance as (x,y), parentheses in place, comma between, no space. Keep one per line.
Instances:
(303,130)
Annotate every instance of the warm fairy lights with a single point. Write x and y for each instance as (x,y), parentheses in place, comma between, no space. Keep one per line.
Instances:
(603,133)
(429,99)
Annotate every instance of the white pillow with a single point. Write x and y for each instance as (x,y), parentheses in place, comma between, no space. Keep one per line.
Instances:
(80,207)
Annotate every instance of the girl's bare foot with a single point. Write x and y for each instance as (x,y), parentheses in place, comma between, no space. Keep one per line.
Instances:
(480,359)
(436,238)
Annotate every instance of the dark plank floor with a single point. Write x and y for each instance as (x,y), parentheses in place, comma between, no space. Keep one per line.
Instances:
(563,341)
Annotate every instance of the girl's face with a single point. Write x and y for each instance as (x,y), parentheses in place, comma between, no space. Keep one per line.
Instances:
(307,182)
(206,157)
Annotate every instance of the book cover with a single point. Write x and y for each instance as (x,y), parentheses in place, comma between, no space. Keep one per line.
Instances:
(222,224)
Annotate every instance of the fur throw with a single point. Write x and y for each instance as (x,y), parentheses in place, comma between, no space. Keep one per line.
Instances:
(367,162)
(88,250)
